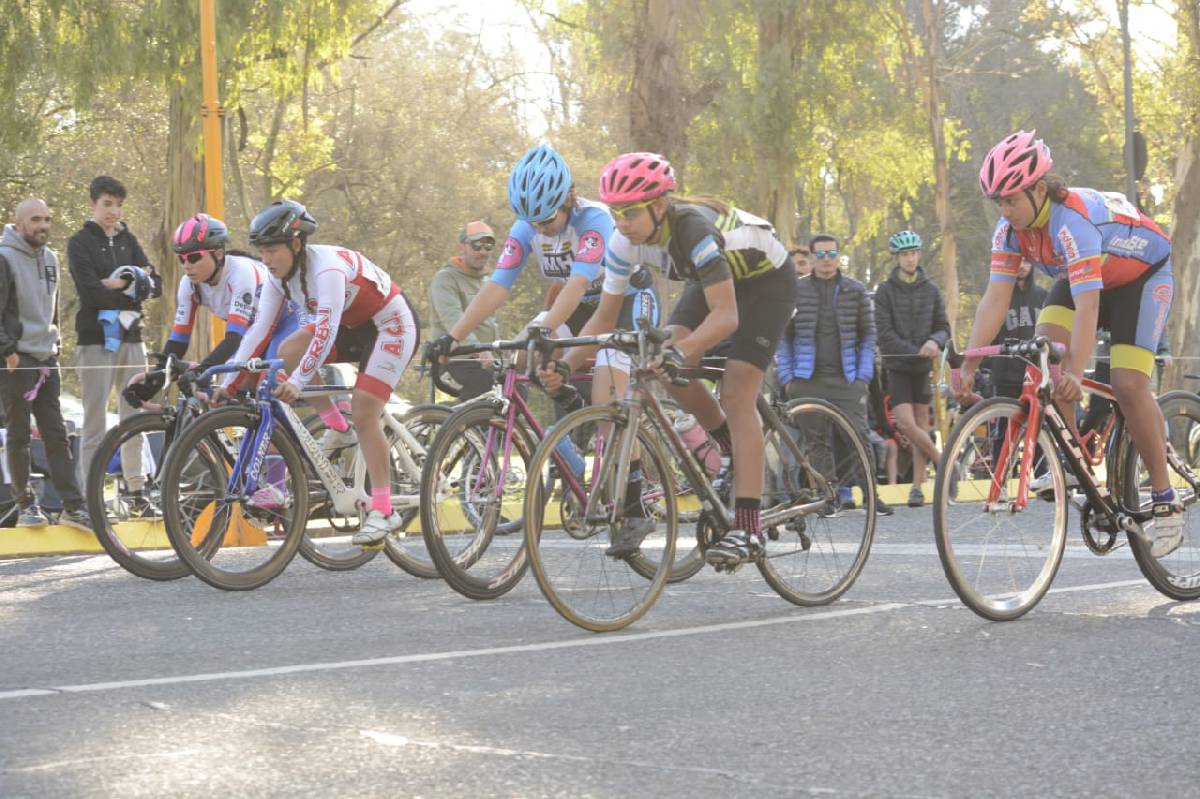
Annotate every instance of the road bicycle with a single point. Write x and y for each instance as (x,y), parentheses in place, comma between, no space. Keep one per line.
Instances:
(247,486)
(815,546)
(1000,546)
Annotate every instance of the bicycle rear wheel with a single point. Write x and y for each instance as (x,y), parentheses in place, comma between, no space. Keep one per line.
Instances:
(999,557)
(813,559)
(227,537)
(406,548)
(567,531)
(468,484)
(1176,574)
(126,510)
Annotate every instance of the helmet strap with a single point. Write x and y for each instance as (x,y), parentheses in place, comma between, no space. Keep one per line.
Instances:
(215,277)
(658,222)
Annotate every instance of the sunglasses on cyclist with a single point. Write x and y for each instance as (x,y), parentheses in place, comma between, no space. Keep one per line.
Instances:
(630,212)
(194,256)
(825,253)
(483,246)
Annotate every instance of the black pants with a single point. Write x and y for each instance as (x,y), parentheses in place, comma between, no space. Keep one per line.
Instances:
(831,453)
(46,410)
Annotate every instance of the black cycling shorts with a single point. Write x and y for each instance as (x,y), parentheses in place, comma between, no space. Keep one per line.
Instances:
(765,303)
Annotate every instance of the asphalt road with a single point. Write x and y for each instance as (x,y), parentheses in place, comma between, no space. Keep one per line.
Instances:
(373,683)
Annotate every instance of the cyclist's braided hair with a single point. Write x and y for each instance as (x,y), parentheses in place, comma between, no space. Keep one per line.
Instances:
(301,264)
(1057,189)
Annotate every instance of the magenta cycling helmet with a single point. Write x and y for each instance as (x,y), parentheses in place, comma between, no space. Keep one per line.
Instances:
(200,232)
(634,177)
(1015,164)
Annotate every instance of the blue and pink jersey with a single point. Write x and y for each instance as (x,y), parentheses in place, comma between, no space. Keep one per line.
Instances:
(1096,240)
(581,249)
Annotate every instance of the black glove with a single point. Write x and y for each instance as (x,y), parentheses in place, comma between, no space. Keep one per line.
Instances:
(188,380)
(439,346)
(138,393)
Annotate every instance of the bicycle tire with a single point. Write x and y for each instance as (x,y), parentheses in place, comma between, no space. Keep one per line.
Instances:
(629,593)
(474,569)
(199,434)
(423,422)
(816,544)
(955,521)
(167,565)
(1176,574)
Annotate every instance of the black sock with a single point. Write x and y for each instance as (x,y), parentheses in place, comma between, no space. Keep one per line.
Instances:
(633,491)
(723,438)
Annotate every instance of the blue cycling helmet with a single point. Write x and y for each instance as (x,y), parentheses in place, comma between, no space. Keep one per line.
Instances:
(904,241)
(539,184)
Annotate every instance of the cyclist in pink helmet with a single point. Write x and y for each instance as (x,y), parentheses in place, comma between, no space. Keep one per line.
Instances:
(730,262)
(1112,268)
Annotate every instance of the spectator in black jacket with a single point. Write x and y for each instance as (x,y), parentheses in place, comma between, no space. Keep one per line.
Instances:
(29,382)
(94,253)
(1008,374)
(910,316)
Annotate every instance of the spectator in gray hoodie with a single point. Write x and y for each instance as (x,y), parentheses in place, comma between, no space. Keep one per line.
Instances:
(30,381)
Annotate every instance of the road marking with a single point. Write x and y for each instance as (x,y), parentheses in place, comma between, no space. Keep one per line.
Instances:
(101,759)
(548,646)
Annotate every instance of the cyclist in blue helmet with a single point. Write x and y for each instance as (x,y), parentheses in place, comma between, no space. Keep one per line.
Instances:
(567,235)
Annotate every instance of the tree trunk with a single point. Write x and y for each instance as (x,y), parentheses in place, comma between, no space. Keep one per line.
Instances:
(659,111)
(933,17)
(184,197)
(1185,234)
(777,35)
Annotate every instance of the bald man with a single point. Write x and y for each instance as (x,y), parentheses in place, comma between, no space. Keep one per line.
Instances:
(29,381)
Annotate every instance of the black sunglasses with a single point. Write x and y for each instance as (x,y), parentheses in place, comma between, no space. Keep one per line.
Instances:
(194,257)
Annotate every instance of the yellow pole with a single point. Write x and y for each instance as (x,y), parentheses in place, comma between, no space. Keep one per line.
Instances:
(240,532)
(211,112)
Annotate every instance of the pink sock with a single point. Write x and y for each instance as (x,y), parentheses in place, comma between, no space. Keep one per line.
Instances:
(333,419)
(381,500)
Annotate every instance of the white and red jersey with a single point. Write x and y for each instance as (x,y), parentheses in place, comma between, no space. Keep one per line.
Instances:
(345,289)
(233,299)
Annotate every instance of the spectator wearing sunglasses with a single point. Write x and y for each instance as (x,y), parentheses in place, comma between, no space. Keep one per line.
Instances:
(910,314)
(100,248)
(828,349)
(452,290)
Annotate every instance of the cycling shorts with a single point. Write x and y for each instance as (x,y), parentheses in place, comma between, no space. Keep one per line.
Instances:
(1135,314)
(765,303)
(382,346)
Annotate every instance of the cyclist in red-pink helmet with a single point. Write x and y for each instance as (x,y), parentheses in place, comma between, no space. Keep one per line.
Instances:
(730,262)
(1112,268)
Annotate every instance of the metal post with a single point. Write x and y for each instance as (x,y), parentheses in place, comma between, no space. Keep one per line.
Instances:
(1130,155)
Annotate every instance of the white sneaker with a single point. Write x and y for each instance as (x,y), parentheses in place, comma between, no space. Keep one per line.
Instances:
(1165,533)
(334,440)
(1045,482)
(375,528)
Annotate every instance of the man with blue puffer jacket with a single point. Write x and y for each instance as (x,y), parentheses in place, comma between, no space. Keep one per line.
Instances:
(828,349)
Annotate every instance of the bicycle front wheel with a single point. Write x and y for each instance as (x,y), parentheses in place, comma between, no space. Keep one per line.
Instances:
(1176,574)
(237,527)
(474,477)
(1000,550)
(126,509)
(406,548)
(570,531)
(814,558)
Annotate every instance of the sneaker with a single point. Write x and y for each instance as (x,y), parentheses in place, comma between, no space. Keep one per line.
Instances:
(846,498)
(1165,533)
(916,497)
(31,516)
(269,497)
(882,508)
(628,537)
(734,549)
(77,518)
(375,528)
(140,506)
(1044,483)
(334,440)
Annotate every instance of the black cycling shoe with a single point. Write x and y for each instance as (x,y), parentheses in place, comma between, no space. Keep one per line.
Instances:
(734,550)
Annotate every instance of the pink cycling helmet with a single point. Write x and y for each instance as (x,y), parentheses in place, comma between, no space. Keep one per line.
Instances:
(1014,165)
(633,177)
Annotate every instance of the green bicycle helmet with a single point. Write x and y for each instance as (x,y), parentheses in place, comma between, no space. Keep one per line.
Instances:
(904,241)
